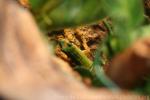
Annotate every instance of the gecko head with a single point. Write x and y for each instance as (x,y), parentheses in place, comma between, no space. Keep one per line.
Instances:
(64,44)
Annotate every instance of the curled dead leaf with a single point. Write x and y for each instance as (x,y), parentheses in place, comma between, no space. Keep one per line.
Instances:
(129,68)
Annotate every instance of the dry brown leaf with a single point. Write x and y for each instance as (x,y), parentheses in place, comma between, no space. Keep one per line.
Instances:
(129,68)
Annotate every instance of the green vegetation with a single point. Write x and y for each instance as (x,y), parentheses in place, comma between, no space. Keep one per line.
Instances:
(127,25)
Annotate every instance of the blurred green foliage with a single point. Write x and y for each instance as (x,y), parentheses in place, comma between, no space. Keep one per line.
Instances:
(66,13)
(127,17)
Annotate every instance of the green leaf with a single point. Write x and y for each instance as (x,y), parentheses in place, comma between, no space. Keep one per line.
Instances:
(67,13)
(100,73)
(40,7)
(127,16)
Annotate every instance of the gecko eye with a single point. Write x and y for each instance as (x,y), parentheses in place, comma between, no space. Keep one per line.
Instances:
(69,44)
